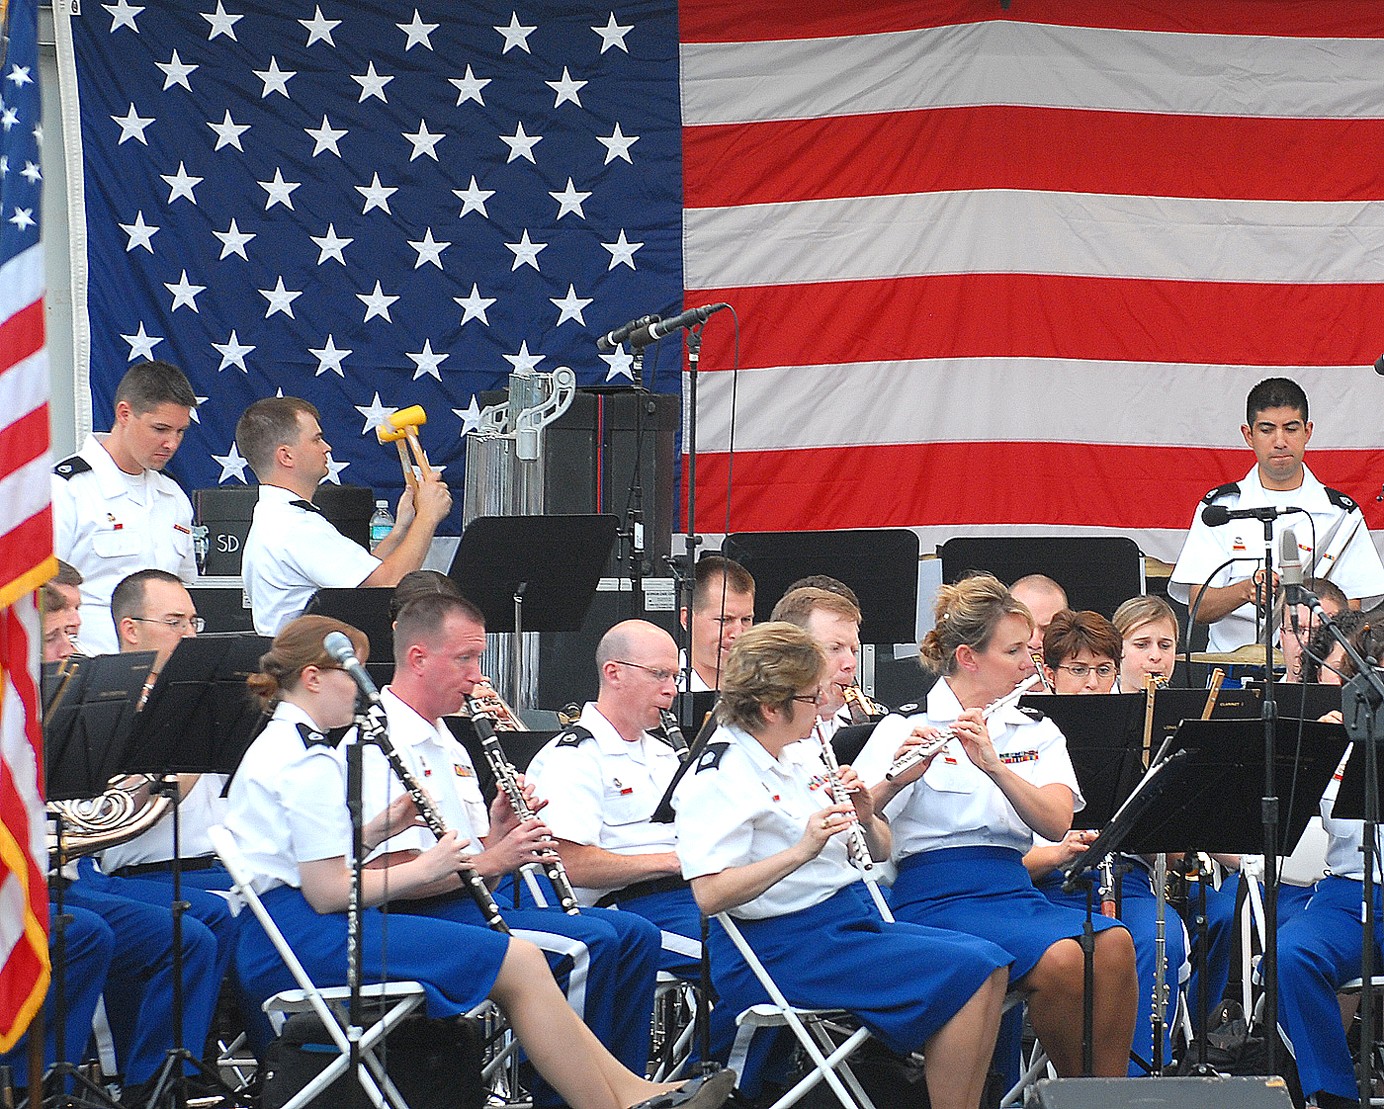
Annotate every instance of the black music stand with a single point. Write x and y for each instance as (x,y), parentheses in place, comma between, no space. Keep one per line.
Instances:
(199,719)
(1105,737)
(1220,811)
(533,573)
(1097,572)
(692,708)
(85,734)
(368,611)
(1172,706)
(880,564)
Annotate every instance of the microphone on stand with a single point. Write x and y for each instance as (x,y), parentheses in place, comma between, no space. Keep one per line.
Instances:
(645,334)
(612,339)
(1290,574)
(339,647)
(1214,515)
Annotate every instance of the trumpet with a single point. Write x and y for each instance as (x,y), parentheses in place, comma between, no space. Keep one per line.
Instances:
(507,779)
(375,730)
(928,748)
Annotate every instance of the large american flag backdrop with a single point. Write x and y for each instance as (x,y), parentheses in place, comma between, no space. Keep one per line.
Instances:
(996,269)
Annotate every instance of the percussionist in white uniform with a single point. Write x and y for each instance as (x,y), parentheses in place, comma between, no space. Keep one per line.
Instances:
(1331,534)
(292,550)
(114,509)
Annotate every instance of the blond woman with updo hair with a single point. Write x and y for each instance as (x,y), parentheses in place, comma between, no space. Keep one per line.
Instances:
(962,820)
(288,813)
(762,836)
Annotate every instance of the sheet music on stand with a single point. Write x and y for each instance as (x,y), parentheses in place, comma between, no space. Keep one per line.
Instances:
(1105,737)
(201,716)
(1172,706)
(86,738)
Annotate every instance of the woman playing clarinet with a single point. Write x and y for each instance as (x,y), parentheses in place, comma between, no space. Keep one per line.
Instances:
(288,812)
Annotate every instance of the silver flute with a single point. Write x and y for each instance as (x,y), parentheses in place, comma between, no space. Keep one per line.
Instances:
(377,732)
(507,779)
(930,747)
(857,843)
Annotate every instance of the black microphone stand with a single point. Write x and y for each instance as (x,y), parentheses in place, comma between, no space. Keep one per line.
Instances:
(1361,699)
(1269,715)
(683,565)
(635,515)
(354,778)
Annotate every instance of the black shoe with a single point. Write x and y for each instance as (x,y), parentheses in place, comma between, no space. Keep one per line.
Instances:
(707,1091)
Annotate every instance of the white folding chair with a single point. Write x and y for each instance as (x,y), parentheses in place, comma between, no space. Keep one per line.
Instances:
(395,999)
(816,1030)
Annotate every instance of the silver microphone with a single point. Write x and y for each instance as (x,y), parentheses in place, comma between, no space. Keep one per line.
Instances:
(344,655)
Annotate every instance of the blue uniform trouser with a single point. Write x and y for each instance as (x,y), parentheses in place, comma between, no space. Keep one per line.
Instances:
(88,946)
(1220,936)
(139,987)
(1319,949)
(198,888)
(1139,911)
(605,961)
(679,921)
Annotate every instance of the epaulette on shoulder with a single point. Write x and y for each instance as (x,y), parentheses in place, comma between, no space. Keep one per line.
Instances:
(1229,489)
(910,709)
(574,736)
(69,468)
(313,738)
(711,757)
(1340,500)
(1032,713)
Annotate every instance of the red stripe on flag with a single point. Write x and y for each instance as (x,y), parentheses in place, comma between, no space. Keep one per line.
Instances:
(1046,149)
(24,975)
(1056,484)
(21,335)
(23,440)
(767,20)
(1052,316)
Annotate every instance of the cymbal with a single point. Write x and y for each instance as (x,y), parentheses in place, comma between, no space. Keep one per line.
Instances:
(1251,654)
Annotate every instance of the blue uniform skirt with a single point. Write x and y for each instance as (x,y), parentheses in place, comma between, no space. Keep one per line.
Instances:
(986,892)
(902,981)
(456,964)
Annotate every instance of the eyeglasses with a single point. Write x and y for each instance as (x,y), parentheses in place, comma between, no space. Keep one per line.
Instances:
(818,698)
(658,675)
(195,623)
(1080,670)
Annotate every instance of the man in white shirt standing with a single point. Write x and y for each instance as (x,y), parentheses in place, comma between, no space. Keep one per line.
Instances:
(292,550)
(1330,529)
(114,510)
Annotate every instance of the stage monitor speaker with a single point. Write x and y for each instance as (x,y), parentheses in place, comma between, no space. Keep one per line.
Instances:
(227,511)
(589,457)
(1159,1093)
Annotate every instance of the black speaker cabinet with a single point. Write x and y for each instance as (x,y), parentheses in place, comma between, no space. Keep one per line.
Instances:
(226,511)
(589,464)
(1157,1093)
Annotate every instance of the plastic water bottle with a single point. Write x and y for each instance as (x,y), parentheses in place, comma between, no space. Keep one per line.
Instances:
(381,524)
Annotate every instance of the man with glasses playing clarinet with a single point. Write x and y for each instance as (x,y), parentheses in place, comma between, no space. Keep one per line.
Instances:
(604,777)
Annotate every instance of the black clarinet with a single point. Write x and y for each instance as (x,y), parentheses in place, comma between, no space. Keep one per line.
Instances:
(507,779)
(377,732)
(673,734)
